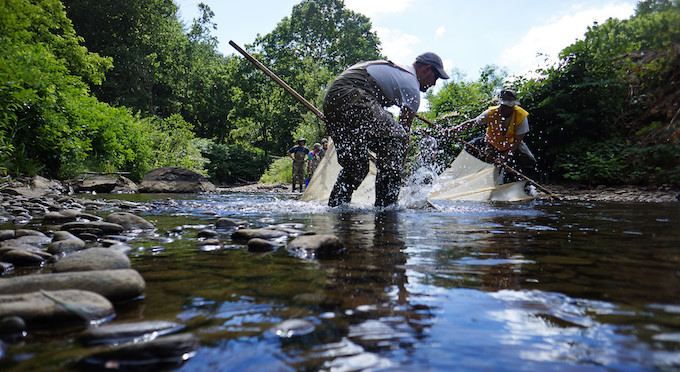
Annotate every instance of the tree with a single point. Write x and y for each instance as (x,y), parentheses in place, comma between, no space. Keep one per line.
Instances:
(319,40)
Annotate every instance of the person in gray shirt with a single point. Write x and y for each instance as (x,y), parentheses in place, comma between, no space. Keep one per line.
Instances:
(357,121)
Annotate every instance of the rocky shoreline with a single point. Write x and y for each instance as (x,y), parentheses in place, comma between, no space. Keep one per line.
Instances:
(64,265)
(623,194)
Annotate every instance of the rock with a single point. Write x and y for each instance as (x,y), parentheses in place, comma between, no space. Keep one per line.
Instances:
(163,352)
(226,223)
(289,230)
(66,246)
(315,245)
(11,326)
(261,245)
(37,308)
(95,182)
(93,259)
(62,235)
(27,232)
(7,234)
(206,234)
(128,332)
(174,180)
(293,328)
(39,182)
(116,285)
(21,257)
(31,240)
(247,234)
(125,185)
(97,228)
(130,221)
(58,218)
(26,192)
(5,267)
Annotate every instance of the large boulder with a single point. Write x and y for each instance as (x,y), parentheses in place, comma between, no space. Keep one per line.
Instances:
(42,307)
(116,285)
(93,182)
(174,180)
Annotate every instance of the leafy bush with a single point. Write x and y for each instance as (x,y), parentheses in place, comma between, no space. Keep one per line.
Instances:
(593,163)
(233,164)
(280,170)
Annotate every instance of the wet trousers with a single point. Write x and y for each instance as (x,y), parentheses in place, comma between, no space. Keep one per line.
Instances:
(357,123)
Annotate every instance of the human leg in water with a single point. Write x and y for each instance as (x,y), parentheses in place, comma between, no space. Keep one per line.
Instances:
(348,181)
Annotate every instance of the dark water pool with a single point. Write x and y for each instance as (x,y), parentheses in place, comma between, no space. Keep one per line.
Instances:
(469,286)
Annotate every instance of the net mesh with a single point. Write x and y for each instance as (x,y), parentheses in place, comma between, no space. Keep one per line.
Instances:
(467,178)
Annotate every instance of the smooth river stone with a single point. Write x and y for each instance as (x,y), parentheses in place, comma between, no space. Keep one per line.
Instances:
(129,332)
(93,259)
(247,234)
(36,308)
(116,285)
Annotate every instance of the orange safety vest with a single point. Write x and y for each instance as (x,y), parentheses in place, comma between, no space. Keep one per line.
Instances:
(498,136)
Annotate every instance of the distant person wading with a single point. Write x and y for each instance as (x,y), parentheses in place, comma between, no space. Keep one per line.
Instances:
(299,156)
(357,121)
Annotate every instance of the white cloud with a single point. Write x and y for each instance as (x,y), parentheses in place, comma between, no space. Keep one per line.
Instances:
(549,40)
(373,7)
(440,32)
(397,46)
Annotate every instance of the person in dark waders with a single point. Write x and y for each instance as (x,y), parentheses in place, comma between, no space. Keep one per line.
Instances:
(299,156)
(357,121)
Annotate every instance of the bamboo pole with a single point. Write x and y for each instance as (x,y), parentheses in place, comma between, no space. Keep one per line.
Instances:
(282,83)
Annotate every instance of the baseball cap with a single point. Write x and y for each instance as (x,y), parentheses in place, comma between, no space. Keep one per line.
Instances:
(509,98)
(433,60)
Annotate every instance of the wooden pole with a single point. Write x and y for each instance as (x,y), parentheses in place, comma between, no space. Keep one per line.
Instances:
(505,166)
(282,83)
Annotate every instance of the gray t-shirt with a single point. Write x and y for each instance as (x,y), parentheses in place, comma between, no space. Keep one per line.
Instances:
(401,88)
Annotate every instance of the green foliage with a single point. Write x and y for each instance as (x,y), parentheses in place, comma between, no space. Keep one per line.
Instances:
(235,164)
(172,144)
(593,163)
(280,170)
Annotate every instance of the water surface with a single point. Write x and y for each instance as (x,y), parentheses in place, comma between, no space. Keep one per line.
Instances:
(535,285)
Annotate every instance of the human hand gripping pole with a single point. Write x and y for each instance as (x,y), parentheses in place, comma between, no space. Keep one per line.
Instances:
(505,166)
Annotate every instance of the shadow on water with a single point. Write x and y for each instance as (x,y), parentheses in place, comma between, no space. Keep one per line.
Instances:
(469,286)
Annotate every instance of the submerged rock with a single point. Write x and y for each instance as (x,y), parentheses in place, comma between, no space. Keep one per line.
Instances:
(116,285)
(93,259)
(293,328)
(261,245)
(37,308)
(247,234)
(226,223)
(158,354)
(315,245)
(128,332)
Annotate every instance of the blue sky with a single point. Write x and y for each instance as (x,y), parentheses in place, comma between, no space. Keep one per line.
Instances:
(466,34)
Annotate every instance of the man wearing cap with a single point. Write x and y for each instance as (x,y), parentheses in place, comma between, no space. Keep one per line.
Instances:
(299,155)
(506,126)
(357,121)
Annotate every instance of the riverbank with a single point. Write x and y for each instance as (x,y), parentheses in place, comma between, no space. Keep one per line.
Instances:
(624,194)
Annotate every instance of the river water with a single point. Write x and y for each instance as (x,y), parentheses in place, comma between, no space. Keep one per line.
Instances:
(538,285)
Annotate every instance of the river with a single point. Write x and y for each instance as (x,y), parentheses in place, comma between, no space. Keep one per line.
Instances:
(537,285)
